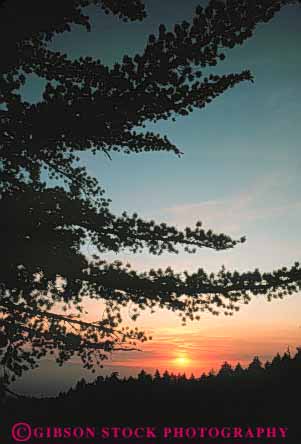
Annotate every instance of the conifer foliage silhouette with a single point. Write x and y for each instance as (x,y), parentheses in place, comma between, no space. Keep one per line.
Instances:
(87,106)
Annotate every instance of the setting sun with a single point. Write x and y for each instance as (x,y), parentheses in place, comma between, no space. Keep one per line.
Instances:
(182,361)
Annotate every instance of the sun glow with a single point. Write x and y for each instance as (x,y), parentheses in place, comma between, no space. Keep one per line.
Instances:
(182,361)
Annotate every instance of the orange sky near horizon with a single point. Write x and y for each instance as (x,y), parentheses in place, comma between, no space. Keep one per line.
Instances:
(260,328)
(240,175)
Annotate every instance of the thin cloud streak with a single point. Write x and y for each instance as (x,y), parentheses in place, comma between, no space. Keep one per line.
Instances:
(205,351)
(265,199)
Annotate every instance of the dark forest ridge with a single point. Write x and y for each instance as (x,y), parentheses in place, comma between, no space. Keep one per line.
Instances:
(267,394)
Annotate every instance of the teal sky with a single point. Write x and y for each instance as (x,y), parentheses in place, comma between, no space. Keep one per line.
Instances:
(248,136)
(240,172)
(240,169)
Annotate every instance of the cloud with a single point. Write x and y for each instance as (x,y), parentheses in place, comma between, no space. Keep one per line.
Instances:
(206,350)
(265,199)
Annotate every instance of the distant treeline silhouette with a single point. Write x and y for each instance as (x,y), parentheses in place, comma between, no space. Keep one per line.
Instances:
(279,367)
(259,394)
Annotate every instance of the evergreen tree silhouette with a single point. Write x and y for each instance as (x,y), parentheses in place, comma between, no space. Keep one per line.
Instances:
(255,368)
(157,376)
(238,371)
(225,371)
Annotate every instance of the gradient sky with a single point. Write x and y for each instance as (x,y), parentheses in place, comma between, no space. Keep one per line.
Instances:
(240,174)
